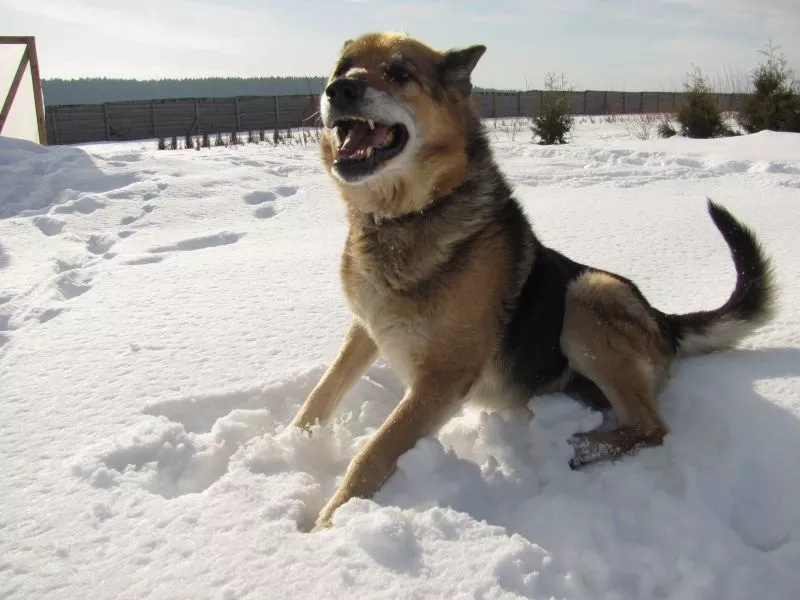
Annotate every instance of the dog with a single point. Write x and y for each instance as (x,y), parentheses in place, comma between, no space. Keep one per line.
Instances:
(447,281)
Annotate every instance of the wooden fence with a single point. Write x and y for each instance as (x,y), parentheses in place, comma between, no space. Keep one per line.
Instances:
(147,119)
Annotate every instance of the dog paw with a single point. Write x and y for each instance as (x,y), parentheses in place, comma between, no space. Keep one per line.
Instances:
(321,526)
(579,445)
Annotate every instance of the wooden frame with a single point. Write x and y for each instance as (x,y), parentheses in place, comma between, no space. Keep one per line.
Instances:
(29,56)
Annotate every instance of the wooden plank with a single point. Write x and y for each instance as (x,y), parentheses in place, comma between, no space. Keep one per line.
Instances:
(12,91)
(10,39)
(37,90)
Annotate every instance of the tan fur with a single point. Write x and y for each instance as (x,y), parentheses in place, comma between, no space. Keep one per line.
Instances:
(610,338)
(440,164)
(443,276)
(426,341)
(358,351)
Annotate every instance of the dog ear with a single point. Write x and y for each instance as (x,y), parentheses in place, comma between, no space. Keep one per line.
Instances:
(457,66)
(346,44)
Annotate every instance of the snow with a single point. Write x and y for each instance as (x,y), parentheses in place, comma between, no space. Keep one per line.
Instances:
(164,313)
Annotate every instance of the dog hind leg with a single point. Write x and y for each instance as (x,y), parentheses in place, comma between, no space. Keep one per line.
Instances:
(611,339)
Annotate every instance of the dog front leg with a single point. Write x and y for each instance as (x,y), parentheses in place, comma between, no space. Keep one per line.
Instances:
(356,354)
(428,404)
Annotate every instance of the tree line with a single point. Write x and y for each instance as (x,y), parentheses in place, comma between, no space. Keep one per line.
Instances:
(97,90)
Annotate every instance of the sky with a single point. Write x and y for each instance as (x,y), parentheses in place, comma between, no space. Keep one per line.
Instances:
(598,44)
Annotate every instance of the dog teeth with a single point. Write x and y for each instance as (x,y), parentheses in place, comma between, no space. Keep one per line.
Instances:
(371,123)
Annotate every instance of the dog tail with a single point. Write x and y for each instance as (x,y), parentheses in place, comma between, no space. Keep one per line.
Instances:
(751,305)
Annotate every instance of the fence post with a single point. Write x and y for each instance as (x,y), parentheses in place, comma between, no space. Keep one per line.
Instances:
(238,117)
(54,119)
(105,121)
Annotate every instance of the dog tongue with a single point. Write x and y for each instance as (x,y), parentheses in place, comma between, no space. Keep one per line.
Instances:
(360,138)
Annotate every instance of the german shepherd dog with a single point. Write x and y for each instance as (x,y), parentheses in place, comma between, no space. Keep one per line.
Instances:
(447,281)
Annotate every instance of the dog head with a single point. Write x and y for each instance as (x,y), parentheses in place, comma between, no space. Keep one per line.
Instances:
(396,118)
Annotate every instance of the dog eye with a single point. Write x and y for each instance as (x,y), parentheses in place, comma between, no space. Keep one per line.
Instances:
(398,74)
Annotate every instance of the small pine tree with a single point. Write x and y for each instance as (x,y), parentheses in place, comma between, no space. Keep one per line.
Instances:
(555,120)
(701,114)
(206,143)
(774,104)
(162,143)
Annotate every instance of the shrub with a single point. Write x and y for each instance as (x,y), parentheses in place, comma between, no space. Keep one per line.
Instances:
(555,119)
(666,129)
(218,141)
(162,143)
(774,103)
(251,138)
(174,144)
(234,139)
(701,114)
(189,143)
(640,126)
(206,143)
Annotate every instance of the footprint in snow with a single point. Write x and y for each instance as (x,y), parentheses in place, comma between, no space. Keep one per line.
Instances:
(265,212)
(99,244)
(129,219)
(72,284)
(85,205)
(202,242)
(49,226)
(144,260)
(50,313)
(255,198)
(264,199)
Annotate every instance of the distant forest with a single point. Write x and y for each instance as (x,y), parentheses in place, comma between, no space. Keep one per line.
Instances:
(99,90)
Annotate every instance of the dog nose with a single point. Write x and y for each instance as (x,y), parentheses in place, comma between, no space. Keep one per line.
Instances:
(344,93)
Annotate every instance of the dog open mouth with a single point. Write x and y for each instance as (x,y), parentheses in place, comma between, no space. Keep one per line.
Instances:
(364,145)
